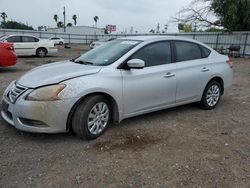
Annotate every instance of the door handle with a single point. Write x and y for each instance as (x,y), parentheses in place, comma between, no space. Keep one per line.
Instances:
(169,75)
(205,69)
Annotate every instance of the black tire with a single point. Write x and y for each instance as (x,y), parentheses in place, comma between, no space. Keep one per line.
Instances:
(204,101)
(41,52)
(80,117)
(60,43)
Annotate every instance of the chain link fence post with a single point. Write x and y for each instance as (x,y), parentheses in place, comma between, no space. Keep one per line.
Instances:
(245,44)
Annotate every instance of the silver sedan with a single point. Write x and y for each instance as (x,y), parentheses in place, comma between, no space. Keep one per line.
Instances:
(120,79)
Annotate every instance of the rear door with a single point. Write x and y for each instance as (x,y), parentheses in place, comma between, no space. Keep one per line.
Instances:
(152,87)
(193,70)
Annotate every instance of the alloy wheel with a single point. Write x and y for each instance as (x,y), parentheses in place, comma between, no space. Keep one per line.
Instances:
(98,118)
(213,95)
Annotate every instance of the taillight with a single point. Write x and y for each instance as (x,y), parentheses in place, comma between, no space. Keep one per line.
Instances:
(10,48)
(230,63)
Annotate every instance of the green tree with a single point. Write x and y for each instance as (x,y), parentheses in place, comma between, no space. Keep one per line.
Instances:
(16,25)
(106,30)
(233,15)
(213,29)
(152,31)
(187,27)
(60,24)
(74,17)
(69,24)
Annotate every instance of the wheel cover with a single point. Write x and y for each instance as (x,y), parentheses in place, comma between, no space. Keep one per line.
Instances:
(98,118)
(41,53)
(213,95)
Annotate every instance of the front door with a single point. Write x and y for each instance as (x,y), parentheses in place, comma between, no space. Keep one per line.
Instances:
(29,45)
(152,87)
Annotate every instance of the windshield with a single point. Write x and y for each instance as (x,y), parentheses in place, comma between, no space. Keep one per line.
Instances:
(107,53)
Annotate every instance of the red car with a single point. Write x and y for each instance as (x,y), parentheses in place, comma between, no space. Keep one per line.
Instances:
(7,55)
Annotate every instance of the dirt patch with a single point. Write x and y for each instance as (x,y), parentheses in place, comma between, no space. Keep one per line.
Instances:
(129,141)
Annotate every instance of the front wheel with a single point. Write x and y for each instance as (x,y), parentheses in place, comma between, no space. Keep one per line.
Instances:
(211,95)
(91,117)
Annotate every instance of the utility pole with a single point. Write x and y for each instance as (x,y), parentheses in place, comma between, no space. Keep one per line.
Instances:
(64,15)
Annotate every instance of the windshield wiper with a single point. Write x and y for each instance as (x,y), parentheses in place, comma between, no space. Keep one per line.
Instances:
(73,60)
(84,62)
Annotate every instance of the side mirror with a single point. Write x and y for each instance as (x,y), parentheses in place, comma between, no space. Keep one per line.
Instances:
(136,64)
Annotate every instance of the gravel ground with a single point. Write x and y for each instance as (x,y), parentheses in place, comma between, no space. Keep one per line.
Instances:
(179,147)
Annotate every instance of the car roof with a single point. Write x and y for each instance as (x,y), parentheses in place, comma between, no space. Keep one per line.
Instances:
(155,37)
(22,35)
(152,38)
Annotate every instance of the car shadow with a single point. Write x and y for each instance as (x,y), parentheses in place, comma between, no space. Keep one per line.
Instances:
(12,69)
(33,56)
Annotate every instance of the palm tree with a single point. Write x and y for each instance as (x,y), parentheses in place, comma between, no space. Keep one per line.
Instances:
(74,17)
(3,16)
(56,18)
(60,24)
(96,18)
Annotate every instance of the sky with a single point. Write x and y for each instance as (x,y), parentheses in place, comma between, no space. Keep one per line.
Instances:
(142,15)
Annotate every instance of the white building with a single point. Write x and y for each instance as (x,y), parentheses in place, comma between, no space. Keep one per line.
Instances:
(79,30)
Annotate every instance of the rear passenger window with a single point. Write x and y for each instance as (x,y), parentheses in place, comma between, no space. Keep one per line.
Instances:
(29,39)
(187,51)
(154,54)
(205,52)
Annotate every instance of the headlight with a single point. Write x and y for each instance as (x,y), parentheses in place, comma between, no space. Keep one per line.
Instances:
(48,93)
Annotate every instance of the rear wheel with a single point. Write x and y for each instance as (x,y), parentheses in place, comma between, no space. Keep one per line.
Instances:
(61,43)
(211,95)
(41,52)
(91,117)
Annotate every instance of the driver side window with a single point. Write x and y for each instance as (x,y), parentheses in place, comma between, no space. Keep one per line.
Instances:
(154,54)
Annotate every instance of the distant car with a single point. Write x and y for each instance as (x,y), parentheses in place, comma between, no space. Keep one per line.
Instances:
(27,45)
(100,42)
(121,79)
(57,40)
(7,55)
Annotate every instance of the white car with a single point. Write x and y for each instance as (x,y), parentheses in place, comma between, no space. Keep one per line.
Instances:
(99,43)
(57,40)
(27,45)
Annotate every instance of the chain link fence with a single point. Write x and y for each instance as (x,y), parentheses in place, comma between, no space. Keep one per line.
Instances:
(220,41)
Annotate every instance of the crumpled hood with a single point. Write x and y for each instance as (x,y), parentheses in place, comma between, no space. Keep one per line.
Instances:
(55,72)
